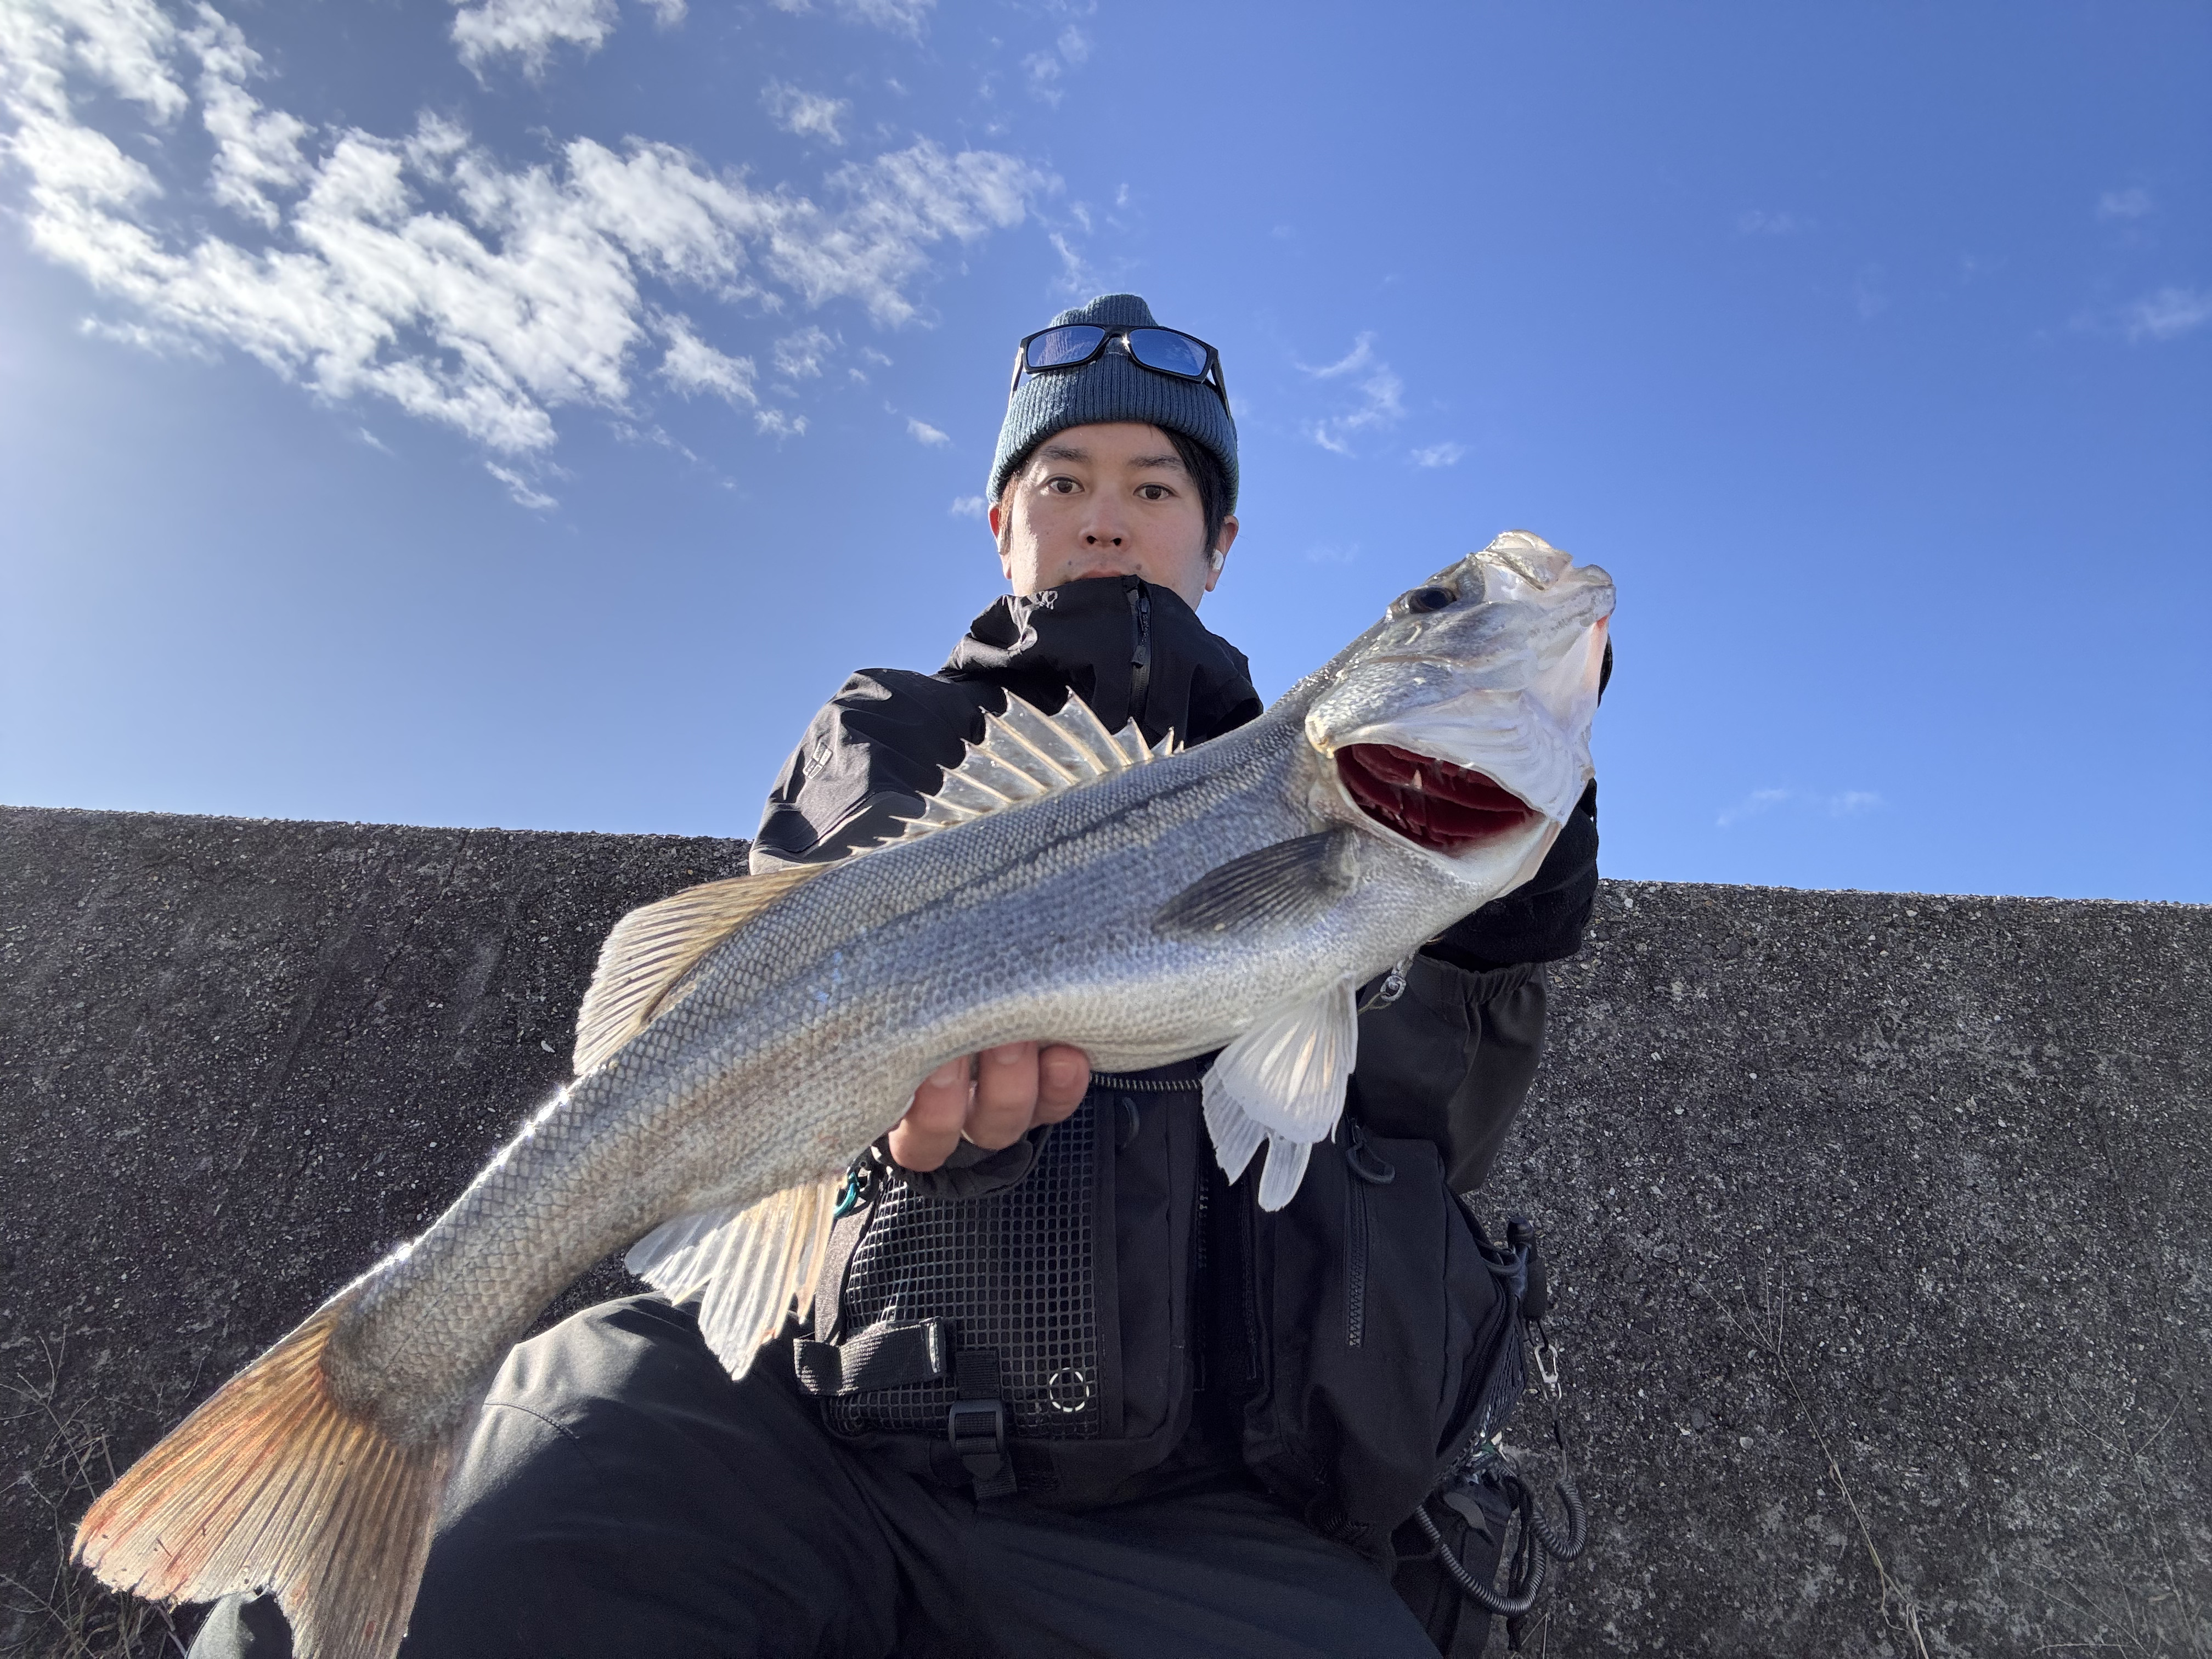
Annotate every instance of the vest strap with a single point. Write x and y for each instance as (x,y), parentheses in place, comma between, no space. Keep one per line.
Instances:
(881,1356)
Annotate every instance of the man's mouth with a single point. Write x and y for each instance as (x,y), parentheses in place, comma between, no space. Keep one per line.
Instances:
(1445,808)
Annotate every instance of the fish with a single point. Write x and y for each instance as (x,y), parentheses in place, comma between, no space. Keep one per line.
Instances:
(743,1042)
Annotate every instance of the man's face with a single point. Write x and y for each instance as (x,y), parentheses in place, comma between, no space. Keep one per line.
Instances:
(1107,501)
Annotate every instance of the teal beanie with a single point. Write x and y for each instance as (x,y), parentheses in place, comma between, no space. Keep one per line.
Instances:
(1113,387)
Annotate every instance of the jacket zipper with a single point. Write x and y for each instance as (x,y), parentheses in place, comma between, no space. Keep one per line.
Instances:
(1140,650)
(1355,1262)
(1363,1167)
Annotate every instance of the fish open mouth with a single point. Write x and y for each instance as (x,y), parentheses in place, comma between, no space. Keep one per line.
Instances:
(1445,808)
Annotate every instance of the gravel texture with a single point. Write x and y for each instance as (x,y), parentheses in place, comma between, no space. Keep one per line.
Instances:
(1879,1221)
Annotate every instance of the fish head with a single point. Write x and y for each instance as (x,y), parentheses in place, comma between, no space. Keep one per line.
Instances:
(1460,724)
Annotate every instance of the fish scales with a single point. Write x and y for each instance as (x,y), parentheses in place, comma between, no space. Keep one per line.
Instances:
(797,1035)
(660,1129)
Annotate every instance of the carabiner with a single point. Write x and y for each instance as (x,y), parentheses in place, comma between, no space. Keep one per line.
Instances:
(1548,1364)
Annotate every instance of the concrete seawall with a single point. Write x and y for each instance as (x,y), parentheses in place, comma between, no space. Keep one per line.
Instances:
(1883,1223)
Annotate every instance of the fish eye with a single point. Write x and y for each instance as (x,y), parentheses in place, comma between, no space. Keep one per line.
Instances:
(1424,600)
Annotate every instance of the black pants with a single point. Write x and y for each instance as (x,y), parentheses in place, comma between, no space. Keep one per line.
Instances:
(623,1497)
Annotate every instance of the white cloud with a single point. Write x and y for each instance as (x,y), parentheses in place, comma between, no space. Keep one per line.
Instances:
(922,433)
(1378,400)
(2133,203)
(806,114)
(1076,276)
(1442,454)
(519,488)
(1842,804)
(529,29)
(1755,222)
(692,366)
(424,270)
(899,16)
(160,341)
(799,356)
(968,507)
(1047,68)
(2169,313)
(256,150)
(1362,355)
(895,206)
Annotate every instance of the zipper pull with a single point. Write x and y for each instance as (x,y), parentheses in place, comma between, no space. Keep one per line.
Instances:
(1364,1161)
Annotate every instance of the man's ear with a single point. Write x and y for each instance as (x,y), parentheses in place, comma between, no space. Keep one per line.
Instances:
(996,517)
(1219,555)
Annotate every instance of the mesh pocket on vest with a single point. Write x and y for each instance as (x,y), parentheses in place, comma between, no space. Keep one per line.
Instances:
(1014,1268)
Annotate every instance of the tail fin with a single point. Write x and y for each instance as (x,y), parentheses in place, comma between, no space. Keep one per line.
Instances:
(271,1485)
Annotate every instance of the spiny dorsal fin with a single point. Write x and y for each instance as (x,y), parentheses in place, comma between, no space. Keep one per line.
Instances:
(1026,754)
(652,947)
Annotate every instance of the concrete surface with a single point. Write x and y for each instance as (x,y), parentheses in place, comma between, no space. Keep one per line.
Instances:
(1881,1221)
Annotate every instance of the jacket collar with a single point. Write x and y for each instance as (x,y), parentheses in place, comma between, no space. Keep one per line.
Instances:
(1125,645)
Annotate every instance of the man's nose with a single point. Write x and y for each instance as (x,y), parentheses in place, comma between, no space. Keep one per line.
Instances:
(1105,528)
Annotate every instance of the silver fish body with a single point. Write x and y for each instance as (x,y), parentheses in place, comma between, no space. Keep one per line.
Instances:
(1083,915)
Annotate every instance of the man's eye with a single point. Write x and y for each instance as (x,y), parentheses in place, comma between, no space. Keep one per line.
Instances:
(1061,486)
(1153,492)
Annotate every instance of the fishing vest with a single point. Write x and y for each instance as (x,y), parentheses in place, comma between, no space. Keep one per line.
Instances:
(1059,1336)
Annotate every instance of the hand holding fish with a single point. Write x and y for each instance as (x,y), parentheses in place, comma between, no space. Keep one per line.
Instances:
(1124,904)
(991,1099)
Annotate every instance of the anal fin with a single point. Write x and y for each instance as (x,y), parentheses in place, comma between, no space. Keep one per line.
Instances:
(750,1261)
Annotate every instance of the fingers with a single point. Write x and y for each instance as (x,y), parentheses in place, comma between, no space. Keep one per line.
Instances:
(1063,1078)
(925,1136)
(992,1099)
(1005,1094)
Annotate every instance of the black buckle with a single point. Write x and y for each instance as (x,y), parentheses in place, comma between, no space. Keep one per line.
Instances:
(977,1430)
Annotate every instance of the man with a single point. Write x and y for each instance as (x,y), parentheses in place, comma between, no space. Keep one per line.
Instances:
(1064,1389)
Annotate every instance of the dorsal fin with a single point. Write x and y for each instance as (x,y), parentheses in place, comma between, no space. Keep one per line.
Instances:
(652,947)
(1026,754)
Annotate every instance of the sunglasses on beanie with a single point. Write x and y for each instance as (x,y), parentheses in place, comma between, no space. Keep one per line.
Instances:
(1163,350)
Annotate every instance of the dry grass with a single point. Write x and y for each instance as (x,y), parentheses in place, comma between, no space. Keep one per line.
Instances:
(1764,1330)
(69,1615)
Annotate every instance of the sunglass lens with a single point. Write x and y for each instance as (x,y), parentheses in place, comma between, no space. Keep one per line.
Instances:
(1057,347)
(1165,349)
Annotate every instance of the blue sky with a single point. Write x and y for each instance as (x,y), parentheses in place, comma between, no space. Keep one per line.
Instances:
(525,412)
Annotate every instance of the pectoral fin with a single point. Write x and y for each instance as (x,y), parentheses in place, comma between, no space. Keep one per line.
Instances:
(1283,885)
(1283,1081)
